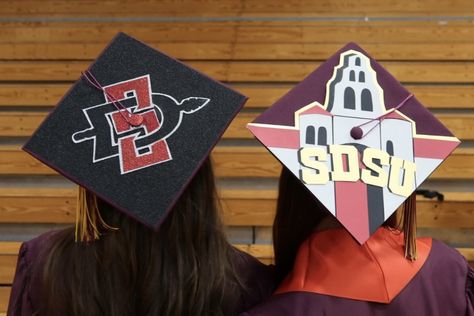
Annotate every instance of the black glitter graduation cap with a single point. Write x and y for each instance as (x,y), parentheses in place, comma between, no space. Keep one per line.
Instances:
(135,128)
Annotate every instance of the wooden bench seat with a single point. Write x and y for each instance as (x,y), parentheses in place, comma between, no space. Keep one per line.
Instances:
(247,71)
(261,95)
(226,8)
(23,124)
(417,32)
(243,51)
(241,207)
(234,162)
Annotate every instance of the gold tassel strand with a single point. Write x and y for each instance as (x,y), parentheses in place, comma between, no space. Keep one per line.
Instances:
(89,223)
(409,227)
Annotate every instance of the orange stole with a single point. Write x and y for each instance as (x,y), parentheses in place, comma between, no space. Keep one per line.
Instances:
(331,262)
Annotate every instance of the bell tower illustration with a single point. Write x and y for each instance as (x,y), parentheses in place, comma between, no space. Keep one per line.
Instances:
(354,97)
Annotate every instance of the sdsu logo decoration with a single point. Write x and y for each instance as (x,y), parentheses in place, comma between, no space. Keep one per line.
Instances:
(360,158)
(136,143)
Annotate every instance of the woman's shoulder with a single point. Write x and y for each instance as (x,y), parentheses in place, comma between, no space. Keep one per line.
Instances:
(451,269)
(444,256)
(27,284)
(34,253)
(251,268)
(256,277)
(42,240)
(449,274)
(37,247)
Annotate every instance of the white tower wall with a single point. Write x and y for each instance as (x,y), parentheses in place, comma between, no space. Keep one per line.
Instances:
(399,133)
(343,126)
(324,192)
(357,79)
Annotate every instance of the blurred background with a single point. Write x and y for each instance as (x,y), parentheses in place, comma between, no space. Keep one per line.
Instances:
(262,49)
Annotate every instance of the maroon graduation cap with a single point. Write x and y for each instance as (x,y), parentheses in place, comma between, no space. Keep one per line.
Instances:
(135,128)
(356,138)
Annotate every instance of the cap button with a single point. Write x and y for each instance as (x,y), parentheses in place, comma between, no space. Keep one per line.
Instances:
(135,119)
(357,132)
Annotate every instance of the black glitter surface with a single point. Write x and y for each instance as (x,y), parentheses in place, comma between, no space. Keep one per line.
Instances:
(149,193)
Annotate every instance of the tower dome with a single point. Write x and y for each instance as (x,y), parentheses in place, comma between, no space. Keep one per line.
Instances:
(354,91)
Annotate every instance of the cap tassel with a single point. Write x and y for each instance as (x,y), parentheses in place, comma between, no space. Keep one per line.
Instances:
(89,223)
(409,227)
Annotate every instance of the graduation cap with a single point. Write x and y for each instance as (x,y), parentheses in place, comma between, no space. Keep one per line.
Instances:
(135,128)
(357,139)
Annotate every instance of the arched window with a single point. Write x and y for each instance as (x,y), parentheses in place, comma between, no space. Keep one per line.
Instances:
(361,76)
(310,137)
(357,61)
(352,75)
(366,100)
(390,147)
(349,99)
(322,136)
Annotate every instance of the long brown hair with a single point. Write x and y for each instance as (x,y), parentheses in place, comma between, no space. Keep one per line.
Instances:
(298,213)
(183,269)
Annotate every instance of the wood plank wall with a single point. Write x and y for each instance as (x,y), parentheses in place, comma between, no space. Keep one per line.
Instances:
(261,48)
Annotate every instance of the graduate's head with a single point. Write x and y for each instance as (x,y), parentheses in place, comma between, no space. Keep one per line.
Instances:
(184,268)
(357,141)
(134,130)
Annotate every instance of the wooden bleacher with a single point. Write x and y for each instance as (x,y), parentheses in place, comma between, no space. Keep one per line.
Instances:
(261,48)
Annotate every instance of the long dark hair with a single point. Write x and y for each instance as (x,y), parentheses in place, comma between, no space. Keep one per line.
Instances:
(183,269)
(298,213)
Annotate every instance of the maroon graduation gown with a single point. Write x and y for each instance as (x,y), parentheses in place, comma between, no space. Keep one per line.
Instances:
(333,275)
(27,285)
